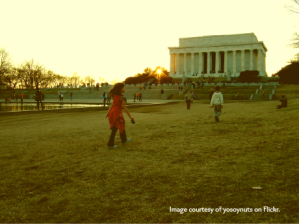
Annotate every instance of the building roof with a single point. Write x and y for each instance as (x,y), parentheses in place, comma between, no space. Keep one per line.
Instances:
(220,40)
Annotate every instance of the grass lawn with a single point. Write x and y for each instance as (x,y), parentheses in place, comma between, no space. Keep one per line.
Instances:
(55,167)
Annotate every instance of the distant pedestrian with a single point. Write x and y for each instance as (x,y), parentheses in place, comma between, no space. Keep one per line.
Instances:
(217,103)
(140,97)
(21,95)
(137,95)
(71,96)
(263,92)
(104,98)
(188,98)
(162,91)
(61,96)
(38,98)
(140,87)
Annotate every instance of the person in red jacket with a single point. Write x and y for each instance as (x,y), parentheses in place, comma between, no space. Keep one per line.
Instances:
(115,115)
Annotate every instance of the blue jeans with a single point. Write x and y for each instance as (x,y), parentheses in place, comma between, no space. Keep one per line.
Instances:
(217,109)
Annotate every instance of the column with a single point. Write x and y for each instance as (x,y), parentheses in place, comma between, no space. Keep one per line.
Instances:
(225,62)
(242,60)
(234,63)
(177,63)
(185,64)
(208,63)
(259,64)
(251,60)
(192,63)
(216,62)
(171,65)
(199,63)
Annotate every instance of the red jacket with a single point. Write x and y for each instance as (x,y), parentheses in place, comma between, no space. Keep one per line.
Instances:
(115,114)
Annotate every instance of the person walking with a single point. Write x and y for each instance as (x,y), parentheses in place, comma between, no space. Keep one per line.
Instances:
(115,116)
(21,95)
(61,96)
(217,103)
(263,92)
(134,97)
(140,97)
(188,98)
(71,96)
(38,98)
(104,98)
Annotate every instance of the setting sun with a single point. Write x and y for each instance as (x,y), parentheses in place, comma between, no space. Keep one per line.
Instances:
(159,71)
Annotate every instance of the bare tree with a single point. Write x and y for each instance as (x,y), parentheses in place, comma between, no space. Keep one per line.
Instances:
(90,80)
(294,8)
(114,81)
(31,73)
(102,80)
(76,78)
(5,63)
(12,77)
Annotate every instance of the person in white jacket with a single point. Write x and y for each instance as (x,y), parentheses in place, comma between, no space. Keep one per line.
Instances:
(217,103)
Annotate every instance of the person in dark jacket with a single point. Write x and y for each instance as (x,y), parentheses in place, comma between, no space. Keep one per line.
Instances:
(284,102)
(38,98)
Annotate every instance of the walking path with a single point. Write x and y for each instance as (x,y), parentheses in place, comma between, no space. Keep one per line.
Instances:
(93,101)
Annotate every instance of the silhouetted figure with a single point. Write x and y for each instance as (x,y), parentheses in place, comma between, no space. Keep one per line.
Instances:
(284,102)
(38,98)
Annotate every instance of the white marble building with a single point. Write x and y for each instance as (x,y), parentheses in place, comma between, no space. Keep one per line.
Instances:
(218,56)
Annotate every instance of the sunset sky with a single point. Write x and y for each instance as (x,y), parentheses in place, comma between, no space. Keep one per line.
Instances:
(120,38)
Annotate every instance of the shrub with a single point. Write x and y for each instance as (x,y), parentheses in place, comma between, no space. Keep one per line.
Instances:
(249,76)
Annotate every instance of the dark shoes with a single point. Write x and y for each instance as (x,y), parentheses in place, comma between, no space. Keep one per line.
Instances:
(216,119)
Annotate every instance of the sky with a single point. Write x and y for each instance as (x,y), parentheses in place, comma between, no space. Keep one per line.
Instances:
(116,39)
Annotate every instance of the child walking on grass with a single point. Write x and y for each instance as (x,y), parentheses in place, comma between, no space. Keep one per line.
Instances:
(115,116)
(217,103)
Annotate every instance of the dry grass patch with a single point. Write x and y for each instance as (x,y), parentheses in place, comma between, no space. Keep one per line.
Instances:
(56,166)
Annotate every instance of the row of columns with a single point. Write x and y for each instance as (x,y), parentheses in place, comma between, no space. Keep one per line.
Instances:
(216,61)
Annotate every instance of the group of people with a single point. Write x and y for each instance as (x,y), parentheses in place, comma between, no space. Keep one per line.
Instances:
(216,101)
(117,121)
(138,96)
(14,96)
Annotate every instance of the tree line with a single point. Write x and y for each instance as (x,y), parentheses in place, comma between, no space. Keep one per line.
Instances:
(158,75)
(31,74)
